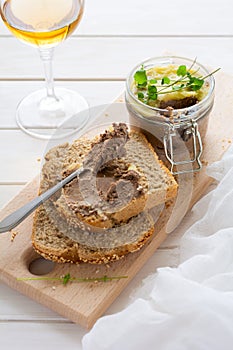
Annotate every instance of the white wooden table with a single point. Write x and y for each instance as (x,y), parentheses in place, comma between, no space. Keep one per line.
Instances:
(112,37)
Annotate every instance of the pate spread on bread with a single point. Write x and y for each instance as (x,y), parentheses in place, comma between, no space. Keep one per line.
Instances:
(112,208)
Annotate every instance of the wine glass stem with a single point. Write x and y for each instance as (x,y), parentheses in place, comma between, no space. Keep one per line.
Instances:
(47,57)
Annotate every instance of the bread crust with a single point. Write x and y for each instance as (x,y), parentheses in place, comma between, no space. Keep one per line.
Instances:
(77,253)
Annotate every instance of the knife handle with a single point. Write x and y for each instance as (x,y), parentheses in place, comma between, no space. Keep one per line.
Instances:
(22,213)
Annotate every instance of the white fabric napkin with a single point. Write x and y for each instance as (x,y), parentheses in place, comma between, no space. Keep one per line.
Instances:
(189,307)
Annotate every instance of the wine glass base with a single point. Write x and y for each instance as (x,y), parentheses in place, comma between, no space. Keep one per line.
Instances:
(47,118)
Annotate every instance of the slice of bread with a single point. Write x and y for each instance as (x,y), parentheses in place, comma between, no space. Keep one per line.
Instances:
(49,242)
(155,179)
(61,234)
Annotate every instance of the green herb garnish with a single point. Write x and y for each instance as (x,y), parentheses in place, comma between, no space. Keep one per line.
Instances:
(186,80)
(152,92)
(140,77)
(194,83)
(140,96)
(67,278)
(165,80)
(181,71)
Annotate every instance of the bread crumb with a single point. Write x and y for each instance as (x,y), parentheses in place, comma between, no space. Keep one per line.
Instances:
(106,115)
(229,141)
(205,162)
(13,235)
(97,271)
(53,288)
(38,159)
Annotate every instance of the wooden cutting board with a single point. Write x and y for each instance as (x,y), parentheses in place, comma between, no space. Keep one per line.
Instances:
(83,303)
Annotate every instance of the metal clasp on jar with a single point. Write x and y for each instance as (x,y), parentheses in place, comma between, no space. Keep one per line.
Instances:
(190,132)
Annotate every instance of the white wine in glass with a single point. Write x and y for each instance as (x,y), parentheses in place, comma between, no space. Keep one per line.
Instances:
(44,24)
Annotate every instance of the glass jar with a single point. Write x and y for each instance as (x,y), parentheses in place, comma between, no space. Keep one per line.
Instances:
(176,134)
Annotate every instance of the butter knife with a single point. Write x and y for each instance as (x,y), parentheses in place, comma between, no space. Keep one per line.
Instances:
(22,213)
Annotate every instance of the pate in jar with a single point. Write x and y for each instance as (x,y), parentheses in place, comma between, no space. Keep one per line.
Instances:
(170,99)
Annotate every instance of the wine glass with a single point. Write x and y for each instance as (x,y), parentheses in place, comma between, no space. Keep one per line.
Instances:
(44,24)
